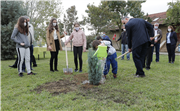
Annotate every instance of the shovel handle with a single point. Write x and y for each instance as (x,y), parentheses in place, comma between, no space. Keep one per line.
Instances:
(122,54)
(66,48)
(155,36)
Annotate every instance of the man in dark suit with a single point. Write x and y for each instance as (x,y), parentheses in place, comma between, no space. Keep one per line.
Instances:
(138,40)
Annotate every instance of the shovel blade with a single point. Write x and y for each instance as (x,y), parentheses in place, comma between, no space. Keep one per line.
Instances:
(67,70)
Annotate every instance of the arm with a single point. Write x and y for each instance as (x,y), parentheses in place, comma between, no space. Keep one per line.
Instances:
(106,42)
(150,28)
(129,36)
(15,32)
(70,38)
(32,33)
(160,35)
(61,36)
(120,36)
(175,36)
(47,38)
(84,41)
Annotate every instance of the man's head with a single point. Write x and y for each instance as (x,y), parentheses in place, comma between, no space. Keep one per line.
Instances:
(156,25)
(95,44)
(125,19)
(99,38)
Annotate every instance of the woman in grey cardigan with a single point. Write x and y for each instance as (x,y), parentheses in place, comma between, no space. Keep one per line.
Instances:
(19,36)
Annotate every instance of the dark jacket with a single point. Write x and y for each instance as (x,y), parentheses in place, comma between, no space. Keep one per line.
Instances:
(107,38)
(173,38)
(137,32)
(124,38)
(159,37)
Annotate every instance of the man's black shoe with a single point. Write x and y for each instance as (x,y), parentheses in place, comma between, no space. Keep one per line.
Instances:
(52,70)
(147,68)
(140,76)
(13,66)
(35,65)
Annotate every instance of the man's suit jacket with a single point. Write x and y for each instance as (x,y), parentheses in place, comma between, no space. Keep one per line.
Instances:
(159,37)
(137,31)
(173,38)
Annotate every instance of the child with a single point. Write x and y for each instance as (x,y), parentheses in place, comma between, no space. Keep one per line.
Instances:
(20,36)
(111,58)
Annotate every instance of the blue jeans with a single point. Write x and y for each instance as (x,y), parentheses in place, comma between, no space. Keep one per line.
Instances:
(111,59)
(157,46)
(124,47)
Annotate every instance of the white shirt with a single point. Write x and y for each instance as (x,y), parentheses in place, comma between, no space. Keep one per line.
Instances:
(155,34)
(168,38)
(55,34)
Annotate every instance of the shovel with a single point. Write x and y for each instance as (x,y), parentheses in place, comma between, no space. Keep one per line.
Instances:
(123,54)
(67,70)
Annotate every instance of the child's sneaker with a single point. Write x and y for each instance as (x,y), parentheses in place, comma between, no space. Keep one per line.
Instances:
(21,75)
(31,73)
(114,75)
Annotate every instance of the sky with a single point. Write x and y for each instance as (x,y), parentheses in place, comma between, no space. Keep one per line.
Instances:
(150,7)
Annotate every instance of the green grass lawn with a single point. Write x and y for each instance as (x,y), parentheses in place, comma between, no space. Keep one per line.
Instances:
(159,90)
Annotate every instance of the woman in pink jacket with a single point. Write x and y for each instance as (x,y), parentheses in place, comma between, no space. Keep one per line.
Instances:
(79,45)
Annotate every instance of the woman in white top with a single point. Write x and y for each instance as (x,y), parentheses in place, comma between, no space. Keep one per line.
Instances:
(53,40)
(171,40)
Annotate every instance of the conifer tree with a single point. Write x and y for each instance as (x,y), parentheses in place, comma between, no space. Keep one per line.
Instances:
(10,12)
(94,68)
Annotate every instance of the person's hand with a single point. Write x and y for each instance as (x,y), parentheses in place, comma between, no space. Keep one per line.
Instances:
(66,43)
(49,47)
(84,50)
(130,50)
(102,44)
(152,45)
(22,44)
(151,38)
(65,32)
(116,40)
(155,41)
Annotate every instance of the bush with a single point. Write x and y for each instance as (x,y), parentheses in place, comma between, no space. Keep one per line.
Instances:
(94,68)
(10,12)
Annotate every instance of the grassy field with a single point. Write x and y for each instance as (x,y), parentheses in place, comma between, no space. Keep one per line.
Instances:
(158,91)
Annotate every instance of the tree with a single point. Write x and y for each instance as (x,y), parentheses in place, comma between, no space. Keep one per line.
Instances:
(70,19)
(10,12)
(123,8)
(98,18)
(40,13)
(94,68)
(173,15)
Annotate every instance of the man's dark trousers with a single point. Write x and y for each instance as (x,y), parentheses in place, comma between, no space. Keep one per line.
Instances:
(157,47)
(139,54)
(148,58)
